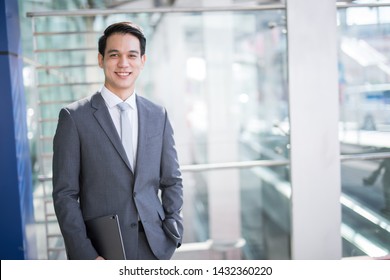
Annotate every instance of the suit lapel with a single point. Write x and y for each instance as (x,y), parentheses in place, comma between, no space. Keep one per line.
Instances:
(104,119)
(143,115)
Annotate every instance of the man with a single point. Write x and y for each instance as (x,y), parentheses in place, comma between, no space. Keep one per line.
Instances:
(97,173)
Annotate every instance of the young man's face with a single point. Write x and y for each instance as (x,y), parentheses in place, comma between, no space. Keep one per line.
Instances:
(122,63)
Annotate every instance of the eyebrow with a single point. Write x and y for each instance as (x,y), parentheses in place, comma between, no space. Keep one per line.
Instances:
(117,51)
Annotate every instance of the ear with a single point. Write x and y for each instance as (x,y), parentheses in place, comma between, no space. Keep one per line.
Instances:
(143,60)
(100,60)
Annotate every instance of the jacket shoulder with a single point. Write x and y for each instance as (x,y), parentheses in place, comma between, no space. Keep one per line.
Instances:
(150,105)
(80,104)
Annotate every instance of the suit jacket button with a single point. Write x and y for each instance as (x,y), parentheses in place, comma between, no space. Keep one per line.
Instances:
(133,225)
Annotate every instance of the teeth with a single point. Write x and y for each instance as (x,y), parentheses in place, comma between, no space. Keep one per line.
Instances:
(123,73)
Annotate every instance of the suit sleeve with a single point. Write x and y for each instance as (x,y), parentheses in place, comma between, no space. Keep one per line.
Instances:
(171,186)
(66,172)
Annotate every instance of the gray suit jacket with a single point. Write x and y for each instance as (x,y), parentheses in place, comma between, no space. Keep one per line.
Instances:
(92,178)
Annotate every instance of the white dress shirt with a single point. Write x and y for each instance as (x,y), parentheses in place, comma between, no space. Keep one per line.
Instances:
(112,101)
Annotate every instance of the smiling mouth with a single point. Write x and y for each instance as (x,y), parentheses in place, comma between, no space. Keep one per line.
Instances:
(123,74)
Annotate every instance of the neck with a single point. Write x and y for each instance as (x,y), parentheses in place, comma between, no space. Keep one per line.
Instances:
(122,94)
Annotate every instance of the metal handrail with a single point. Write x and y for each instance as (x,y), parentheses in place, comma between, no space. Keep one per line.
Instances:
(235,164)
(64,50)
(69,84)
(55,102)
(257,163)
(94,12)
(365,156)
(47,67)
(65,33)
(213,166)
(344,5)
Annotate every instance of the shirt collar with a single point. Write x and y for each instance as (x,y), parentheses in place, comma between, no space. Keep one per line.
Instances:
(113,100)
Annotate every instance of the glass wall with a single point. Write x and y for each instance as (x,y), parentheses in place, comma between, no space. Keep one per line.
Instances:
(228,73)
(364,80)
(223,78)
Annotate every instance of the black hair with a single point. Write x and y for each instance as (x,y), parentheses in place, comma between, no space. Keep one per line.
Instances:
(122,28)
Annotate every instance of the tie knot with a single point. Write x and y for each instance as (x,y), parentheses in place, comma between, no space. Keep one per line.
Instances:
(124,106)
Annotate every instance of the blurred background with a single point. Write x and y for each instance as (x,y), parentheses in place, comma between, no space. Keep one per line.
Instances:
(221,68)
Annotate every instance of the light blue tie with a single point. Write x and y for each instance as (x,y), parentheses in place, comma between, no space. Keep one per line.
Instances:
(126,132)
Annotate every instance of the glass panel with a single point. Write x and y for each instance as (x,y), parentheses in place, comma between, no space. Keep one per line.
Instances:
(238,90)
(228,72)
(365,128)
(366,208)
(223,78)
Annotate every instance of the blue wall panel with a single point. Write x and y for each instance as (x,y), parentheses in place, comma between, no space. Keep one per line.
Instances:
(17,238)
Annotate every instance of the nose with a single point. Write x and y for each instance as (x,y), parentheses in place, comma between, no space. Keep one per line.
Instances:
(123,62)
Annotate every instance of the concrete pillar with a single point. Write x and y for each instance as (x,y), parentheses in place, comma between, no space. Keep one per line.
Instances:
(315,162)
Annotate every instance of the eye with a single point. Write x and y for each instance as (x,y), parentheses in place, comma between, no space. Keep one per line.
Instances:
(114,55)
